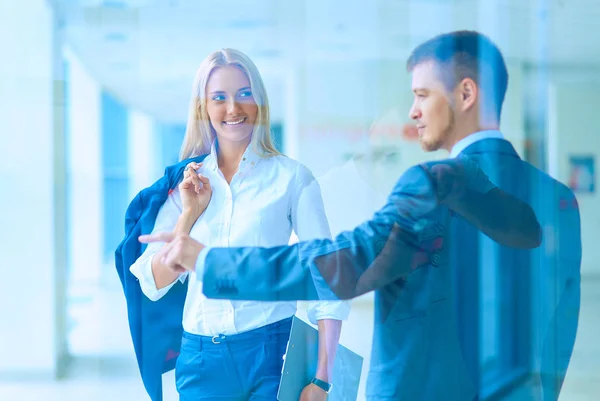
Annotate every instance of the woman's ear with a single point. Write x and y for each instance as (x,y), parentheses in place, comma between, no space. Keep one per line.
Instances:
(198,108)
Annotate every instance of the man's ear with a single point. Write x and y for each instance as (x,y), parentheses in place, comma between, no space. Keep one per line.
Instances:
(468,93)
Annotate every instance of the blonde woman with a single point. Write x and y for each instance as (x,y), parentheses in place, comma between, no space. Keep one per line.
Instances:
(244,193)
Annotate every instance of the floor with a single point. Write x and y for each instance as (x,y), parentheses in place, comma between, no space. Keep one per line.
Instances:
(104,368)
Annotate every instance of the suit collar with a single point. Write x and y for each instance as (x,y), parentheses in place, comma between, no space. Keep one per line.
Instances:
(491,145)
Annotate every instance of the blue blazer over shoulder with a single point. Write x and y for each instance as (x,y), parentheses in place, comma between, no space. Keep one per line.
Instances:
(155,327)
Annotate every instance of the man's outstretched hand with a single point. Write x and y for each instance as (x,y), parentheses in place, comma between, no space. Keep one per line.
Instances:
(180,251)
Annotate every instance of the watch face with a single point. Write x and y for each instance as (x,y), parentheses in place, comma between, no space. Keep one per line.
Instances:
(322,384)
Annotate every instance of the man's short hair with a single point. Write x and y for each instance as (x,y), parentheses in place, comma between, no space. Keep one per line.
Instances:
(466,54)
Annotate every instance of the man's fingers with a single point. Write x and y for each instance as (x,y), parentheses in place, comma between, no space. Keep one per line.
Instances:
(158,237)
(168,255)
(179,269)
(173,257)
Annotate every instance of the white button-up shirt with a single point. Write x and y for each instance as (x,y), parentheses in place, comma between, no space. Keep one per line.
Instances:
(267,198)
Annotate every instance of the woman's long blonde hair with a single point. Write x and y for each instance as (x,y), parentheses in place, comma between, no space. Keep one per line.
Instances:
(199,133)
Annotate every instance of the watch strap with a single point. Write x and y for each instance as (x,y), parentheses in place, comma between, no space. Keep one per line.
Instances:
(322,384)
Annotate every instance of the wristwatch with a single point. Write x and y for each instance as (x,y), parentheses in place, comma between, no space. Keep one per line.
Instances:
(322,384)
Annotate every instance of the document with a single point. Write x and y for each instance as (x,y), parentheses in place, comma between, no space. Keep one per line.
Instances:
(301,364)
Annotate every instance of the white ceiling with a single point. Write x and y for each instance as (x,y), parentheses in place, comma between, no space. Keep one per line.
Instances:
(146,51)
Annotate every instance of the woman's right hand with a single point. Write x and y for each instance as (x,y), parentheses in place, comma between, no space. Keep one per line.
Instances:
(195,190)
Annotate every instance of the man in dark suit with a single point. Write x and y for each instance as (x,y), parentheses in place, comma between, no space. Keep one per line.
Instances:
(459,82)
(412,251)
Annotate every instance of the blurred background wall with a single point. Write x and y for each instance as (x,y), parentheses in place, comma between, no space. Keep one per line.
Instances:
(93,104)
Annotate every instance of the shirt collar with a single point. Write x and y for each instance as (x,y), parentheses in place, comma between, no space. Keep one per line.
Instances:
(471,139)
(249,159)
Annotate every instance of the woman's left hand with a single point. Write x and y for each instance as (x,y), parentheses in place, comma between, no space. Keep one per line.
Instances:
(312,392)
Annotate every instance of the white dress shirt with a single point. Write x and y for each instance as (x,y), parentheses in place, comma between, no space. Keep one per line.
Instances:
(267,198)
(471,139)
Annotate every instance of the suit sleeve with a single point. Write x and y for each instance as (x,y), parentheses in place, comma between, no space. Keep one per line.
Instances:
(324,269)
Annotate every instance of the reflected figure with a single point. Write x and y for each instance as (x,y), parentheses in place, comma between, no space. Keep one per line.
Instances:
(353,192)
(232,188)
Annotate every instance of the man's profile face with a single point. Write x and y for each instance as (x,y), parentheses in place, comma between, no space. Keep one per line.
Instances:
(431,108)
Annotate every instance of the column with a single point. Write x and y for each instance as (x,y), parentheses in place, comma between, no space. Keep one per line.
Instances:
(114,122)
(32,173)
(143,167)
(85,177)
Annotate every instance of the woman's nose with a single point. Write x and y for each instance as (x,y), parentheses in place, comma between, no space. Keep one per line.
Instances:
(232,106)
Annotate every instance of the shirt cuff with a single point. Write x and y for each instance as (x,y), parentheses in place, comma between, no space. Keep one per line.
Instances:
(143,272)
(200,263)
(334,310)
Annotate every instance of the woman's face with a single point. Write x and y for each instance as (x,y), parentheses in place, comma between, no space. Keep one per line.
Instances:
(230,104)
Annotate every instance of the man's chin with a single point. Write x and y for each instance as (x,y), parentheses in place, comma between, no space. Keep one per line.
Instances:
(428,146)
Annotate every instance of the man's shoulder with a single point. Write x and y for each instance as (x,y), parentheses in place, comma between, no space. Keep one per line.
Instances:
(519,169)
(542,182)
(414,180)
(418,171)
(414,196)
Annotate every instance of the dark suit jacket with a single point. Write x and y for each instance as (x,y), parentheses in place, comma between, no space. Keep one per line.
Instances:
(155,327)
(543,304)
(403,252)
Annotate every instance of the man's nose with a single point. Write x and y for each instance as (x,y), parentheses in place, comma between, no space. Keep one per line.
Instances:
(414,112)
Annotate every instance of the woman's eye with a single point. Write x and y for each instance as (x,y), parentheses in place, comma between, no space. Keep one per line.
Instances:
(218,98)
(246,94)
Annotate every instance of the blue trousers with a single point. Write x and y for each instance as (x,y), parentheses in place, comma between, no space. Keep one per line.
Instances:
(239,367)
